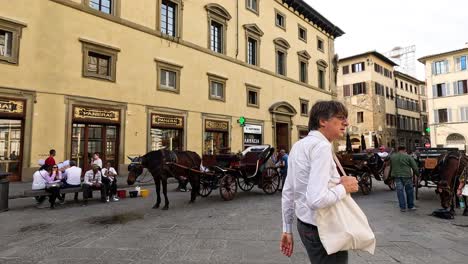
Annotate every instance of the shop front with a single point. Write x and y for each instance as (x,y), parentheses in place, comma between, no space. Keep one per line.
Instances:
(12,118)
(216,137)
(95,130)
(167,132)
(252,135)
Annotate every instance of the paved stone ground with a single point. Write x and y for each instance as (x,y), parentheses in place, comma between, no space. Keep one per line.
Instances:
(245,230)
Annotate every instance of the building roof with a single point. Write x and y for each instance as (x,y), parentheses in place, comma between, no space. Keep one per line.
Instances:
(408,77)
(375,53)
(307,11)
(425,58)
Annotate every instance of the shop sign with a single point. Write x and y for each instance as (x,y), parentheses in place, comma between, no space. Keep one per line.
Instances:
(158,120)
(216,125)
(252,139)
(88,113)
(11,106)
(252,129)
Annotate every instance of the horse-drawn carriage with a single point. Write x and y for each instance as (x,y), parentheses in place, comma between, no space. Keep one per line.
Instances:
(363,166)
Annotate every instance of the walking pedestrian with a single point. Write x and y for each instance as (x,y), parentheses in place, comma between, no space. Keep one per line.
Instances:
(403,167)
(283,166)
(306,190)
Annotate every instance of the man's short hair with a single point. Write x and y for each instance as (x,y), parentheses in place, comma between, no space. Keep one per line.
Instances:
(72,163)
(324,110)
(52,151)
(400,148)
(96,153)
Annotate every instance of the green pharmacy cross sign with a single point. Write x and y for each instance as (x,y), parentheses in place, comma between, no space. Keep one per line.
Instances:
(428,129)
(241,121)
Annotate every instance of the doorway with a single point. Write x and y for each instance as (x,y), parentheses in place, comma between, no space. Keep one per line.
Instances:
(11,151)
(90,138)
(282,136)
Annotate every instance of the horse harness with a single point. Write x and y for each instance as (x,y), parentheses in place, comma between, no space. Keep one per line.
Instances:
(448,188)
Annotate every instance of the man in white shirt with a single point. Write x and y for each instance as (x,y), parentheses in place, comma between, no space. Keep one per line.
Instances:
(92,181)
(382,153)
(72,178)
(310,169)
(96,160)
(109,180)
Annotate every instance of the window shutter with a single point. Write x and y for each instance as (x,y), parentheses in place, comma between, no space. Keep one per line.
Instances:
(364,87)
(444,90)
(449,114)
(462,114)
(447,88)
(346,90)
(434,91)
(455,88)
(363,66)
(436,116)
(433,68)
(446,66)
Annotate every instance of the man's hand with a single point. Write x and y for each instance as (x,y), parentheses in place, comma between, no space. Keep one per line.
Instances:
(350,184)
(287,244)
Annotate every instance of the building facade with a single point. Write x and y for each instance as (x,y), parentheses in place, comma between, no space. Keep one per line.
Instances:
(126,77)
(365,84)
(447,93)
(410,127)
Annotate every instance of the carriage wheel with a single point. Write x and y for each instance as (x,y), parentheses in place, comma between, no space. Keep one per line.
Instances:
(271,180)
(228,187)
(205,186)
(365,183)
(416,184)
(245,184)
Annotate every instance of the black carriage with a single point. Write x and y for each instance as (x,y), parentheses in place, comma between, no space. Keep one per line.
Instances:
(254,167)
(214,175)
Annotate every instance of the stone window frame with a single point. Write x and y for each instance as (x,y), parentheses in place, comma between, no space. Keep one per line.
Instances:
(255,11)
(168,66)
(218,14)
(299,28)
(322,66)
(304,56)
(115,8)
(281,45)
(254,32)
(16,28)
(252,88)
(219,79)
(179,18)
(319,39)
(277,12)
(102,49)
(306,102)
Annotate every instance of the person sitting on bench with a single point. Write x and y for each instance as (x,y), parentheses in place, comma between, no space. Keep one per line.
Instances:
(41,179)
(109,179)
(71,178)
(92,181)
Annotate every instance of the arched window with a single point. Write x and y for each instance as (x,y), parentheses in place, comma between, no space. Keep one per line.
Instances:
(218,17)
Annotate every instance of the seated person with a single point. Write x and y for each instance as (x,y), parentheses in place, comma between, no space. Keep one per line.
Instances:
(41,179)
(71,178)
(109,179)
(92,180)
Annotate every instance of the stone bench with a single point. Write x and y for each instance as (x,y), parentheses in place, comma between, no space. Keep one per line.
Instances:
(34,193)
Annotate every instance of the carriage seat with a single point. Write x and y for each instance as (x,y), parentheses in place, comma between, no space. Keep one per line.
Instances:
(249,162)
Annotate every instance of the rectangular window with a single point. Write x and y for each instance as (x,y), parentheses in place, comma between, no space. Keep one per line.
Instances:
(360,117)
(379,89)
(253,98)
(464,114)
(406,86)
(303,72)
(104,6)
(217,87)
(440,67)
(423,103)
(378,68)
(98,64)
(280,63)
(387,92)
(216,37)
(320,44)
(99,61)
(168,79)
(6,43)
(302,33)
(321,79)
(168,18)
(168,76)
(217,90)
(346,90)
(391,94)
(252,5)
(252,51)
(346,69)
(358,67)
(304,108)
(443,115)
(440,90)
(359,88)
(460,87)
(401,84)
(280,20)
(460,63)
(10,35)
(253,94)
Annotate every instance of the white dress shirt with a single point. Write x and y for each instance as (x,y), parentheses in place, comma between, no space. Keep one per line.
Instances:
(97,162)
(112,173)
(90,178)
(73,175)
(310,170)
(39,180)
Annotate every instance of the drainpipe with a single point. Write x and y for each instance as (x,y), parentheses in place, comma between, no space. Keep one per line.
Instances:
(237,28)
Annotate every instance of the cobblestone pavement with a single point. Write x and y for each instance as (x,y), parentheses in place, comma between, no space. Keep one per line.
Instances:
(245,230)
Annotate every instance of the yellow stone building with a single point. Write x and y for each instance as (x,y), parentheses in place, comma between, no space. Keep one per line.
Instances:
(125,77)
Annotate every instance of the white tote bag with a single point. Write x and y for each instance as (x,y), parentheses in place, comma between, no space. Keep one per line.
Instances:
(343,226)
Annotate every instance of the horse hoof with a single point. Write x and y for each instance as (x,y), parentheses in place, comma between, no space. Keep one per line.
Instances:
(191,202)
(165,208)
(156,206)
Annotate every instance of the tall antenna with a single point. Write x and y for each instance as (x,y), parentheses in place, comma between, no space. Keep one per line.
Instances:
(405,57)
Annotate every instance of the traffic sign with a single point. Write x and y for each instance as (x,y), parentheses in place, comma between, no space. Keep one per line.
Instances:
(427,145)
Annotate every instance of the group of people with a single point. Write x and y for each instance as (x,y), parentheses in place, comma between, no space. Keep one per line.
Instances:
(51,177)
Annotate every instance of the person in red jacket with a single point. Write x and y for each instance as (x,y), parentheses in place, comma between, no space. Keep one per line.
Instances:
(50,161)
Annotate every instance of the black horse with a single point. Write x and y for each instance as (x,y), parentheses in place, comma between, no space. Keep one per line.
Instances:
(163,164)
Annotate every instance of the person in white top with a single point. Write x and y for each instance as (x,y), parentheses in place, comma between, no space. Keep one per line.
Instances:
(92,181)
(310,169)
(382,153)
(96,160)
(109,179)
(72,178)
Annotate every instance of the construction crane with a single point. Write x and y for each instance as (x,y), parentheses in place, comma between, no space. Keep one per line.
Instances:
(405,57)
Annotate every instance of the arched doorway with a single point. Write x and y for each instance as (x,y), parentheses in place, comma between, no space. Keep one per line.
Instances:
(456,140)
(281,114)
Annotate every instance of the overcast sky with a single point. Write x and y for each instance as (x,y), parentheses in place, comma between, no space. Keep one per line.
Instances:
(433,26)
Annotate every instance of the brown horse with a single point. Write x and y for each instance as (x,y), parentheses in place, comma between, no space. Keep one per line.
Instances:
(163,164)
(449,168)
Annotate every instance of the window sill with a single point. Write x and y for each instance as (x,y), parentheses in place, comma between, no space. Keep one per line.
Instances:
(219,99)
(8,60)
(253,11)
(253,105)
(99,77)
(168,89)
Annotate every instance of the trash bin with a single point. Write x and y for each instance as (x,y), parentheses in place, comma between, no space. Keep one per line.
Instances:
(4,187)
